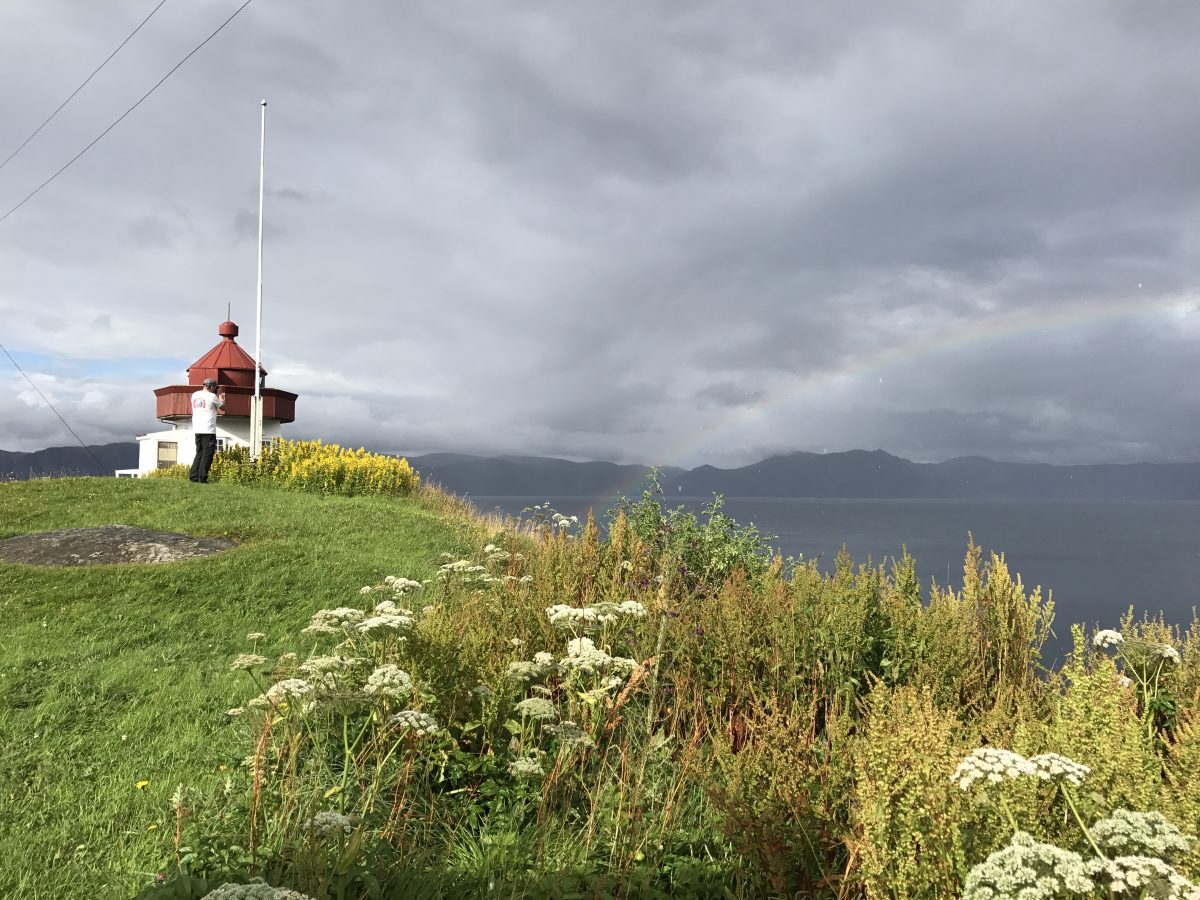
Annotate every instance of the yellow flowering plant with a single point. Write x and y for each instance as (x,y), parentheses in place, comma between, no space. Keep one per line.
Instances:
(318,467)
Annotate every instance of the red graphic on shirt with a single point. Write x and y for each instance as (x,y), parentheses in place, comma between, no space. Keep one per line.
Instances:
(198,403)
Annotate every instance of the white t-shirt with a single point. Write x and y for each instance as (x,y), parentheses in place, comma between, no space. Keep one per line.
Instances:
(204,412)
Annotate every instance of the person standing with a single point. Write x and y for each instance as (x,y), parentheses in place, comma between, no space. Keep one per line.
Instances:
(205,404)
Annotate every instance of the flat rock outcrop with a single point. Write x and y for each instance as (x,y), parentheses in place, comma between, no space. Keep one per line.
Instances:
(108,544)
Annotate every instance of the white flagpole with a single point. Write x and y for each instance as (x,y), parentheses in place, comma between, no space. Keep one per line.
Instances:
(256,410)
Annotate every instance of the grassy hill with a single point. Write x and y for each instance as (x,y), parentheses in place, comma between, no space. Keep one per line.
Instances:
(667,711)
(111,676)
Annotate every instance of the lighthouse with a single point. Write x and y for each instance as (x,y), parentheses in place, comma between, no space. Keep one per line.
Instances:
(233,369)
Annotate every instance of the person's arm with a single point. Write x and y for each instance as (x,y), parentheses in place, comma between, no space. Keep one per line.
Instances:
(220,402)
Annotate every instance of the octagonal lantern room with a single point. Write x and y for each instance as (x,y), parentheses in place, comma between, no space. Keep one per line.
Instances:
(233,369)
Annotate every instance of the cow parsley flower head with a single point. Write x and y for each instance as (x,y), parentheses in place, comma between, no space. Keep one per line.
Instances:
(1127,833)
(523,670)
(255,636)
(1107,638)
(1167,653)
(419,723)
(526,767)
(320,665)
(570,618)
(570,735)
(246,661)
(1144,876)
(1053,767)
(537,708)
(329,825)
(402,585)
(632,608)
(382,626)
(580,646)
(289,690)
(623,666)
(255,890)
(332,621)
(991,765)
(585,658)
(1029,870)
(235,712)
(531,670)
(389,608)
(389,681)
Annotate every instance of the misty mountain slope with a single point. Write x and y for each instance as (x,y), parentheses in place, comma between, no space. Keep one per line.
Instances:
(861,474)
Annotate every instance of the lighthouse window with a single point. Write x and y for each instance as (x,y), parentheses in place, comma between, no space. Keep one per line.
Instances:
(168,454)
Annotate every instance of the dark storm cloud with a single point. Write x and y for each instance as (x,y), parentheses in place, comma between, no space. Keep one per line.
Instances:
(658,232)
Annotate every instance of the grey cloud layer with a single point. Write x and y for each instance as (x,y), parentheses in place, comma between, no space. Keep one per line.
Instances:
(642,231)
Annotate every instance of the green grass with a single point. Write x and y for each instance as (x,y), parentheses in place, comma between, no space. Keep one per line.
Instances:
(114,675)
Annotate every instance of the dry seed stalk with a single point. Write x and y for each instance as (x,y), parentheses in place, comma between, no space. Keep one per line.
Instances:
(636,677)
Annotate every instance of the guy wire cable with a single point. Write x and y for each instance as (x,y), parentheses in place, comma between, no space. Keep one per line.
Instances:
(99,465)
(82,86)
(119,119)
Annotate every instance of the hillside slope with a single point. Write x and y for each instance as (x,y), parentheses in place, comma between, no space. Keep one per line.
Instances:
(112,676)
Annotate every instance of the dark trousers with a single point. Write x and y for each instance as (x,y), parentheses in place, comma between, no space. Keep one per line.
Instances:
(206,446)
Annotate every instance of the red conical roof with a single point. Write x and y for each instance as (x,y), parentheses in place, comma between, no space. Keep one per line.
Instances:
(227,362)
(233,369)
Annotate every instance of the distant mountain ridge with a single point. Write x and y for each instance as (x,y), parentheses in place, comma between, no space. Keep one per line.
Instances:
(854,474)
(67,461)
(529,476)
(880,475)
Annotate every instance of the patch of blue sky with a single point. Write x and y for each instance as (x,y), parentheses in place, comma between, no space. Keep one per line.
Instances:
(28,359)
(80,367)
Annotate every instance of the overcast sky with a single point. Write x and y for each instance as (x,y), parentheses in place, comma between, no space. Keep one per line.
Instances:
(656,232)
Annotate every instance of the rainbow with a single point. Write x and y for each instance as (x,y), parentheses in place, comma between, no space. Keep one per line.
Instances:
(954,336)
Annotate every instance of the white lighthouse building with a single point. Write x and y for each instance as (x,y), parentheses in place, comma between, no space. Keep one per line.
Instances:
(233,368)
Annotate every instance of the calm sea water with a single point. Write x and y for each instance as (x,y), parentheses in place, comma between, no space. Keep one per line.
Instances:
(1098,558)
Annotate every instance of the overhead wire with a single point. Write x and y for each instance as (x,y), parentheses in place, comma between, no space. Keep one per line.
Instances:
(96,70)
(37,190)
(78,155)
(46,400)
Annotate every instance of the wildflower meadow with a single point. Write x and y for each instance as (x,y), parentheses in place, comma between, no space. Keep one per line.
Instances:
(668,709)
(672,711)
